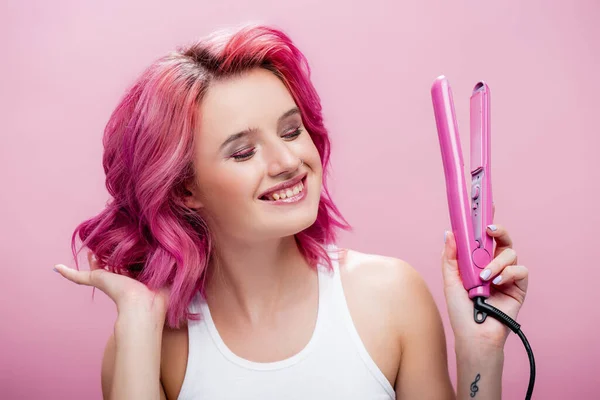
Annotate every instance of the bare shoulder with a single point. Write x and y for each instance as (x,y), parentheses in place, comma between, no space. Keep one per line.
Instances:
(392,282)
(389,279)
(400,323)
(383,294)
(373,265)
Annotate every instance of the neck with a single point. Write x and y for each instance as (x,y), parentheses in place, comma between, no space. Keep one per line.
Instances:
(255,281)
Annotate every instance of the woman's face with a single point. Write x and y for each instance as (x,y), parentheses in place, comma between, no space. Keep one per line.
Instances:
(250,137)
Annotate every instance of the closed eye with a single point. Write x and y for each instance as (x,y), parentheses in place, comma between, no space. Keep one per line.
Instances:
(294,134)
(246,155)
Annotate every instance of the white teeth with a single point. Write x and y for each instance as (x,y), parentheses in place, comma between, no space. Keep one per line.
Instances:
(288,192)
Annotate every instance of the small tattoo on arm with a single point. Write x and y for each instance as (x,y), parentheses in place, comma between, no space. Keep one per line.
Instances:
(474,388)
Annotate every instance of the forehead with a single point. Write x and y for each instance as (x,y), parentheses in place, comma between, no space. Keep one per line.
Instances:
(255,99)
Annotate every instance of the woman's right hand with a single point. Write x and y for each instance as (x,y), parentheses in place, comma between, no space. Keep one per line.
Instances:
(126,292)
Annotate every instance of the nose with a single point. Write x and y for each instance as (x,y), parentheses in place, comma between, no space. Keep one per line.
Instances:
(281,159)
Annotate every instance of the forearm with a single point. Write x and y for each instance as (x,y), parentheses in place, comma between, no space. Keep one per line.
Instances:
(479,373)
(138,336)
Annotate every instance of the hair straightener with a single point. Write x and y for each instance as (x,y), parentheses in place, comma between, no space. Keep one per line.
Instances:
(471,210)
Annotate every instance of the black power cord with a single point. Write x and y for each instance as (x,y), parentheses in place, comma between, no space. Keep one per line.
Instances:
(482,310)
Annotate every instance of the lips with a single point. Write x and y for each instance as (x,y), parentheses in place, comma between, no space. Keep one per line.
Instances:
(282,186)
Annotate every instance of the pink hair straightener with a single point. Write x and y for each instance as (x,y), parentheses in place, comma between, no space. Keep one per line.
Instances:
(471,208)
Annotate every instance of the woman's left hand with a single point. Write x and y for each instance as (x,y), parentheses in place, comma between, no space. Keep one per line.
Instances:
(507,293)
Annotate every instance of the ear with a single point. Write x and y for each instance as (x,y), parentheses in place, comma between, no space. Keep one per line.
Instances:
(191,196)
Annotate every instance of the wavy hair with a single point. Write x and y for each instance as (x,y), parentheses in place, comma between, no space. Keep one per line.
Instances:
(146,231)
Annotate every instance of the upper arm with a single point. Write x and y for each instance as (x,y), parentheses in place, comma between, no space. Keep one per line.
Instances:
(423,371)
(108,368)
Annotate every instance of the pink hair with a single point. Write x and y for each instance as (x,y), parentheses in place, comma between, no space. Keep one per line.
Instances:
(146,231)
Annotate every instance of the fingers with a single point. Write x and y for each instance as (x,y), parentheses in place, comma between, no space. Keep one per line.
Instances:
(91,258)
(510,274)
(507,258)
(94,262)
(501,236)
(93,277)
(449,252)
(450,272)
(79,277)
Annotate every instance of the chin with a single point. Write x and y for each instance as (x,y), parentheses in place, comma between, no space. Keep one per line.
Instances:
(283,227)
(287,220)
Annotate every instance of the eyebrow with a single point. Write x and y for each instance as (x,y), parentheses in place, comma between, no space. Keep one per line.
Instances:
(250,131)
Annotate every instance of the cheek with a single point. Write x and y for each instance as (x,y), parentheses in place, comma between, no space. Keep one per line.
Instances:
(227,188)
(312,156)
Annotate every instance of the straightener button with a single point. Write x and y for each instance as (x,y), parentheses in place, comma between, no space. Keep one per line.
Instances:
(475,192)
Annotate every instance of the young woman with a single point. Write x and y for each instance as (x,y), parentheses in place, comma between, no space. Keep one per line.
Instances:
(218,249)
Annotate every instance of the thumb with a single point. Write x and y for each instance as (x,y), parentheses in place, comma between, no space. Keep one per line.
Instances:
(96,277)
(449,263)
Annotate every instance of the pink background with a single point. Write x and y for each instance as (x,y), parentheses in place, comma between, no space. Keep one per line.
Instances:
(65,64)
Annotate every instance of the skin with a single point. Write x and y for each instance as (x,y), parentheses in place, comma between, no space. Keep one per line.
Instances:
(259,284)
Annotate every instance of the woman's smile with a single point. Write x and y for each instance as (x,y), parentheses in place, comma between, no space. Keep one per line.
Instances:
(290,195)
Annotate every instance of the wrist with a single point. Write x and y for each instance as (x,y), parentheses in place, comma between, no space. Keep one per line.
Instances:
(130,327)
(474,350)
(143,305)
(140,313)
(479,371)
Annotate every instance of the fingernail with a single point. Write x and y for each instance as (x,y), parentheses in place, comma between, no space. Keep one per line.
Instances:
(492,228)
(485,274)
(445,236)
(55,270)
(497,279)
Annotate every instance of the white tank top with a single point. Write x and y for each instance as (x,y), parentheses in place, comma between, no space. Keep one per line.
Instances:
(333,365)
